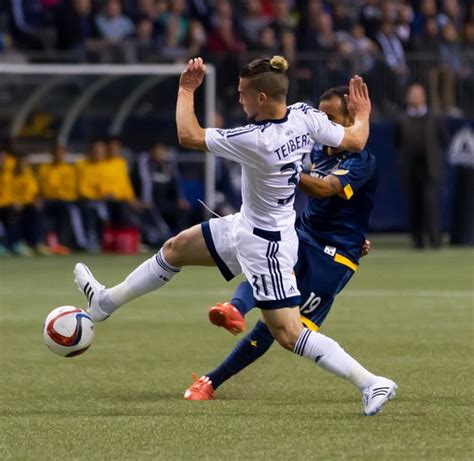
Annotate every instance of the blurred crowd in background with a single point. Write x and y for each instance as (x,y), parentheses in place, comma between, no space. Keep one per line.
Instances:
(389,42)
(59,206)
(417,57)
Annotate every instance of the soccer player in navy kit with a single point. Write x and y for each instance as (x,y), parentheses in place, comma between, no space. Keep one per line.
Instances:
(331,231)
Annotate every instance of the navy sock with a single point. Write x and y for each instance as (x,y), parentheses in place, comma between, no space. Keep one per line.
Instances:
(243,298)
(247,350)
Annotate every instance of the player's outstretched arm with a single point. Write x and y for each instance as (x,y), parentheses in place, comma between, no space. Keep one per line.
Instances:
(190,134)
(320,187)
(359,106)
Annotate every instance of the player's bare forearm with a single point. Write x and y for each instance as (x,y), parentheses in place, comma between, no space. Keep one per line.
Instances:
(359,106)
(356,136)
(320,187)
(190,133)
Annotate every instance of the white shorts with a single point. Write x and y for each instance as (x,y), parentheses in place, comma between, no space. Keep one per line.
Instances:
(267,258)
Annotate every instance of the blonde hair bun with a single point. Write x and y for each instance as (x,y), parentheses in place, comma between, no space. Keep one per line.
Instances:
(279,62)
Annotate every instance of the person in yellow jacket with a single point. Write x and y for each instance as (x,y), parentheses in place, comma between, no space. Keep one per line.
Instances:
(91,191)
(117,183)
(9,232)
(59,191)
(118,190)
(25,191)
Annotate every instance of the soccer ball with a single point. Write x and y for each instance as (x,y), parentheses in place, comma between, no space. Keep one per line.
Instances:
(68,331)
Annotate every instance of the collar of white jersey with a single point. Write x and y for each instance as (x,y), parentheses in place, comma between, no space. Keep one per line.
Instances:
(270,120)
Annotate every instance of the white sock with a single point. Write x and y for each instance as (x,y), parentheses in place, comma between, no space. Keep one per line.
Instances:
(328,354)
(148,277)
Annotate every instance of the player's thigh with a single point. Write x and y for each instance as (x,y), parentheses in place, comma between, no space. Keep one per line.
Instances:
(188,248)
(320,279)
(284,325)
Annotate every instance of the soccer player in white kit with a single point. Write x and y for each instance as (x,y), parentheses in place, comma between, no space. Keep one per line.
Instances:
(260,240)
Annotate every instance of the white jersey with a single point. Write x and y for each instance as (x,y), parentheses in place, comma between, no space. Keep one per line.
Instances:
(271,154)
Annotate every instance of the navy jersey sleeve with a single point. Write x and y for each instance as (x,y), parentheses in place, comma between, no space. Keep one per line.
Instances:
(354,172)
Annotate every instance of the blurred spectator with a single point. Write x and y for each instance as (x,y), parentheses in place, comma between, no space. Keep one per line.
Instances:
(394,70)
(389,10)
(25,191)
(429,40)
(359,49)
(371,17)
(451,12)
(114,27)
(427,10)
(226,47)
(146,48)
(267,43)
(150,9)
(224,40)
(222,10)
(171,46)
(420,139)
(176,13)
(282,17)
(392,49)
(157,182)
(195,39)
(451,65)
(117,187)
(334,39)
(403,27)
(112,24)
(252,22)
(75,26)
(429,72)
(466,83)
(288,49)
(58,187)
(341,16)
(320,35)
(9,226)
(91,193)
(31,23)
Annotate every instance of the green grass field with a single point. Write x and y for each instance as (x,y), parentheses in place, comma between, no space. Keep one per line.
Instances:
(406,315)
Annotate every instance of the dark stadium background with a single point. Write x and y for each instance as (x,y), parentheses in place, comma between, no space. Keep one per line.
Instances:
(326,42)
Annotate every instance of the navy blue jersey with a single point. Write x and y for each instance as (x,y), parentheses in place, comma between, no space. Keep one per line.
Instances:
(338,225)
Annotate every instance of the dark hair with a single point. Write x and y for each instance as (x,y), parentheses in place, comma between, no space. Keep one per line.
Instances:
(337,92)
(268,76)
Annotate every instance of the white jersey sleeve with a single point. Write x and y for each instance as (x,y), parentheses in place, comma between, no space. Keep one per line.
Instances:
(322,130)
(238,144)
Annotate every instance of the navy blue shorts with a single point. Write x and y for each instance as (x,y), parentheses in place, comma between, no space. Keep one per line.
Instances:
(320,278)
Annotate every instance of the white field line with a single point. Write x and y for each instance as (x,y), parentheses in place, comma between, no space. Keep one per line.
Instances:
(223,292)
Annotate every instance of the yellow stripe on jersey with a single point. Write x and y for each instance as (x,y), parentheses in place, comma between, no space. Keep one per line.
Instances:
(345,261)
(308,323)
(340,172)
(348,192)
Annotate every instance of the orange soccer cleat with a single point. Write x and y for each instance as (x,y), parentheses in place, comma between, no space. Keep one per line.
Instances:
(227,316)
(201,389)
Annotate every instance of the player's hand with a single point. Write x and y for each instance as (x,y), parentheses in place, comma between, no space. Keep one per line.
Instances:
(366,248)
(193,75)
(358,101)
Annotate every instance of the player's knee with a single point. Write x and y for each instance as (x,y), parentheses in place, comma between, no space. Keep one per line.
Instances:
(287,337)
(176,248)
